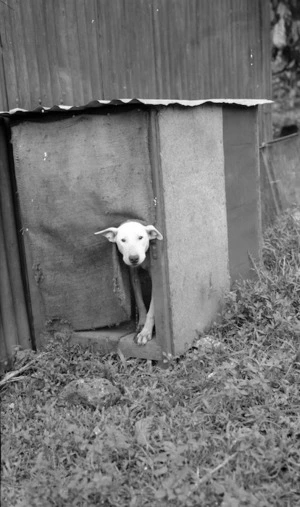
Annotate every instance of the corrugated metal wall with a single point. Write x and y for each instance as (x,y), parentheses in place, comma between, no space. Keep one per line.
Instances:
(75,51)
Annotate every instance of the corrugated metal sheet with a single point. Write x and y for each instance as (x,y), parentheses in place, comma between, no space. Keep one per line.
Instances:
(147,102)
(74,51)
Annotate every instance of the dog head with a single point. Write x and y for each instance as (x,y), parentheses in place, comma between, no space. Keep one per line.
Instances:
(132,239)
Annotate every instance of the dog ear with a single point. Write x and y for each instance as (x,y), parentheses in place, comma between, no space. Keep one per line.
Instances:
(153,233)
(109,233)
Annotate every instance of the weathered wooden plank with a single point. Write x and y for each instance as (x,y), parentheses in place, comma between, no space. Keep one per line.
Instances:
(243,240)
(15,319)
(195,217)
(159,249)
(241,161)
(129,348)
(105,341)
(7,310)
(240,145)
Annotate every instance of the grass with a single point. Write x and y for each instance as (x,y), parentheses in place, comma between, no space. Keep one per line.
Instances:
(219,427)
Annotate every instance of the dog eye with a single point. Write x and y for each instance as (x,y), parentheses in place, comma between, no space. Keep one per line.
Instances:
(123,240)
(141,237)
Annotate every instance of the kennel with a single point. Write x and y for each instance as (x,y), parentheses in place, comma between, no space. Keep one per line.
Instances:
(191,168)
(67,59)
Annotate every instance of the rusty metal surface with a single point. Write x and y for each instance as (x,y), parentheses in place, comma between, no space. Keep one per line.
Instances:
(70,52)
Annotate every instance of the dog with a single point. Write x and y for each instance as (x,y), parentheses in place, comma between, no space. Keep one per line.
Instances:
(133,240)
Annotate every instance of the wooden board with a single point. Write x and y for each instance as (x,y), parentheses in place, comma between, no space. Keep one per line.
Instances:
(118,341)
(15,328)
(241,160)
(192,166)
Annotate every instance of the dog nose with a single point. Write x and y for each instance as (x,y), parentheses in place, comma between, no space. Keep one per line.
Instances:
(134,259)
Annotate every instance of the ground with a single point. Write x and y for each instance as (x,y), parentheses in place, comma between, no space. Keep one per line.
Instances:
(220,426)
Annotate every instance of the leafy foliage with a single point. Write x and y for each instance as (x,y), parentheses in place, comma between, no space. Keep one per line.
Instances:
(218,427)
(285,23)
(285,32)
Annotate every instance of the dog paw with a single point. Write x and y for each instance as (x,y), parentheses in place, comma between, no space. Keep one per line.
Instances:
(139,328)
(144,336)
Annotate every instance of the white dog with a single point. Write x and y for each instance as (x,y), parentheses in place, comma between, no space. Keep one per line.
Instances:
(132,239)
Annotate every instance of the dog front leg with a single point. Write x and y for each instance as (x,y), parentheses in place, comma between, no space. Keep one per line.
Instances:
(146,333)
(137,291)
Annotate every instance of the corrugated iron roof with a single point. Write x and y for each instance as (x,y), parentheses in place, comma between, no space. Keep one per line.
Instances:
(76,51)
(148,102)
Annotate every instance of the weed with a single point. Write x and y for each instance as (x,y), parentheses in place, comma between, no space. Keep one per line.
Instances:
(220,426)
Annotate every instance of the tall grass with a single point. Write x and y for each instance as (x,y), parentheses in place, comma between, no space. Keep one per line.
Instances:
(219,427)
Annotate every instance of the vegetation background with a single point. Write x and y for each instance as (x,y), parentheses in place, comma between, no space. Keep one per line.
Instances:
(285,33)
(219,427)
